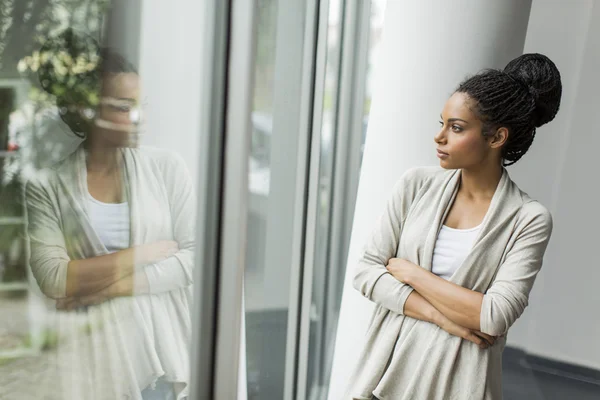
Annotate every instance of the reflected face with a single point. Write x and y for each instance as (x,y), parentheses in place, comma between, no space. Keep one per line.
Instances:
(460,142)
(118,113)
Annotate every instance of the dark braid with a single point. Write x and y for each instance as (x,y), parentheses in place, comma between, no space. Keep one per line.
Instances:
(521,98)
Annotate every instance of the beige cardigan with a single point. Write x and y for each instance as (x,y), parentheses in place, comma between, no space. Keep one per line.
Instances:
(408,359)
(116,349)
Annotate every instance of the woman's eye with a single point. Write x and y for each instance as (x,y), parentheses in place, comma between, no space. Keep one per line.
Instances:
(123,109)
(441,123)
(457,128)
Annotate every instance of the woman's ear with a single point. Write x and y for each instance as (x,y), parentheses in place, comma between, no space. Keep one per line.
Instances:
(499,139)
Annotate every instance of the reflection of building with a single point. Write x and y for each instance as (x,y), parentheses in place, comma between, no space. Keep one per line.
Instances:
(22,312)
(262,130)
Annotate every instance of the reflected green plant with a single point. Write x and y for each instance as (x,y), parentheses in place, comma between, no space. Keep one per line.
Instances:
(67,69)
(47,340)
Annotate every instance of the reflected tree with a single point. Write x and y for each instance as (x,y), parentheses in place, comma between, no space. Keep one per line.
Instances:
(25,27)
(24,24)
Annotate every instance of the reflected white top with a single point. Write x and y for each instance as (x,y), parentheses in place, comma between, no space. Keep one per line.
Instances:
(111,223)
(451,249)
(139,338)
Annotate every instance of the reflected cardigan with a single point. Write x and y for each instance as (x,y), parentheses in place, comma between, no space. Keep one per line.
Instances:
(116,349)
(405,358)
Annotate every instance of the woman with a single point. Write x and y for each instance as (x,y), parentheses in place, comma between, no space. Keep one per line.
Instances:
(454,257)
(111,232)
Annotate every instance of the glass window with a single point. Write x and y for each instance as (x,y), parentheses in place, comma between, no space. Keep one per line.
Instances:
(278,156)
(98,160)
(353,36)
(318,352)
(375,36)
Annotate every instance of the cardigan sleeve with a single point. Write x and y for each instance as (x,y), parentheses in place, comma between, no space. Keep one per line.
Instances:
(508,296)
(371,278)
(48,258)
(176,271)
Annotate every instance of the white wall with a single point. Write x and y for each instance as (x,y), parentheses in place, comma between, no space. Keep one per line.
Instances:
(563,321)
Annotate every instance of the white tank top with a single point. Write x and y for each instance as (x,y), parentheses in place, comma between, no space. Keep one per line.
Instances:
(451,248)
(111,223)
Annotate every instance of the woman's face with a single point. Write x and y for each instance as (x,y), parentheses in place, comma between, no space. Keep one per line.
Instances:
(118,113)
(460,142)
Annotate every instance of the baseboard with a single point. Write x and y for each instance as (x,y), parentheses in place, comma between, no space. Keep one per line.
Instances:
(549,366)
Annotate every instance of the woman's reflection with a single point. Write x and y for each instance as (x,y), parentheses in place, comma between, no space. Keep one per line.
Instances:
(111,230)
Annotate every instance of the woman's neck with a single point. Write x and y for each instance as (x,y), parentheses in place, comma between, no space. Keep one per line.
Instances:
(102,159)
(480,183)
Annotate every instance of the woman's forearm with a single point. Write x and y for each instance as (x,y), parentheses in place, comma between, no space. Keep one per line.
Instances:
(460,305)
(418,308)
(91,275)
(126,286)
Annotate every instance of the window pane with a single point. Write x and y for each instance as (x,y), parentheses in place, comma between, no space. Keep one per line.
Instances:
(360,25)
(99,127)
(376,31)
(277,150)
(318,338)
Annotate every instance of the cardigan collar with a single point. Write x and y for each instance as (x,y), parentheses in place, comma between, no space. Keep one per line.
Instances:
(72,175)
(506,202)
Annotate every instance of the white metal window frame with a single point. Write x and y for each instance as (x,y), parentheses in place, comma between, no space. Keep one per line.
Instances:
(347,139)
(229,46)
(214,45)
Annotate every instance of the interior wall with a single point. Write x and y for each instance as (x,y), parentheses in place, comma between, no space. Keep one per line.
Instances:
(562,320)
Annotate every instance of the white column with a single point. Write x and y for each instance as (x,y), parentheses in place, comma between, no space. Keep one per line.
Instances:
(428,48)
(123,28)
(171,74)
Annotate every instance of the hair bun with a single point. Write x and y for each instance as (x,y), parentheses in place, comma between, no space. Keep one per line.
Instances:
(540,75)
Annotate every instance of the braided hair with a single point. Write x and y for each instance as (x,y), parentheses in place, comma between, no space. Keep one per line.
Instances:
(522,97)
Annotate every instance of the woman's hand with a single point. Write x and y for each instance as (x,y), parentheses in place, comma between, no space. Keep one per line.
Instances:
(71,303)
(67,303)
(121,288)
(401,269)
(490,339)
(481,339)
(154,252)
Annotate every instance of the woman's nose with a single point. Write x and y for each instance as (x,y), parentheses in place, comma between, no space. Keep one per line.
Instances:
(439,137)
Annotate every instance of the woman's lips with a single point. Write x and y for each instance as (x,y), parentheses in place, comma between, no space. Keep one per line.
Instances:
(441,154)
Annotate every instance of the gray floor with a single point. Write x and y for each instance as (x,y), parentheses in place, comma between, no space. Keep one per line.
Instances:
(524,380)
(524,377)
(266,335)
